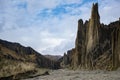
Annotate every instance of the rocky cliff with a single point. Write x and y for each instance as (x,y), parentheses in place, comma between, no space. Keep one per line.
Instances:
(97,45)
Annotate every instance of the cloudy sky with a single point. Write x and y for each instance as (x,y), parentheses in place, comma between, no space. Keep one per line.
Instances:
(49,26)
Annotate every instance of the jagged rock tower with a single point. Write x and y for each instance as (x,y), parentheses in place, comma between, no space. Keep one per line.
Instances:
(92,30)
(87,38)
(97,46)
(92,35)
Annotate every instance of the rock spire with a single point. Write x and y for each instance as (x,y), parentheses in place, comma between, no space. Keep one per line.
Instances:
(97,46)
(92,30)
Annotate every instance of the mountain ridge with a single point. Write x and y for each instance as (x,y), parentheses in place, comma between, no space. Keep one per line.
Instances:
(15,59)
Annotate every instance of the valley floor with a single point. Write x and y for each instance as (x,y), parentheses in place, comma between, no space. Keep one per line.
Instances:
(64,74)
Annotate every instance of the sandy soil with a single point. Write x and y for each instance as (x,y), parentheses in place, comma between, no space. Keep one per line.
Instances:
(64,74)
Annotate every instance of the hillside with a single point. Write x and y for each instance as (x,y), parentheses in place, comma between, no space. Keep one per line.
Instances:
(15,58)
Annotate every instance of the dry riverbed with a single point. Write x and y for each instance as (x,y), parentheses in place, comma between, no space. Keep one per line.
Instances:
(64,74)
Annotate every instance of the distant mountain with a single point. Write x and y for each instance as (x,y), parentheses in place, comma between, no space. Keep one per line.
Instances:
(15,58)
(53,57)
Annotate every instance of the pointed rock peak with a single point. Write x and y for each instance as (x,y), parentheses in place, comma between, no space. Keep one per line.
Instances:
(80,21)
(95,13)
(65,54)
(80,24)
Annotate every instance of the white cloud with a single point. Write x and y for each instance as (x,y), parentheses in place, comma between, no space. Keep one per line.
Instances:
(37,5)
(109,10)
(71,1)
(61,48)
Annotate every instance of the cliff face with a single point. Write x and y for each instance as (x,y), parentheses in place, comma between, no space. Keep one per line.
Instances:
(97,45)
(116,45)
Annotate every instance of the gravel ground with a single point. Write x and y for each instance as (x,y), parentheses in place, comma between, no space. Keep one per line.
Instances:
(64,74)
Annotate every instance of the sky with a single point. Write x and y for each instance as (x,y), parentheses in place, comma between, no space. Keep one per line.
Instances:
(50,26)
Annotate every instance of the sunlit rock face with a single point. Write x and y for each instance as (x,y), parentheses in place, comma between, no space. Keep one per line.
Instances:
(92,29)
(97,45)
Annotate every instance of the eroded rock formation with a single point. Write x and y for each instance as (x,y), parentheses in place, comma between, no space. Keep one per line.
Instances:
(67,59)
(97,45)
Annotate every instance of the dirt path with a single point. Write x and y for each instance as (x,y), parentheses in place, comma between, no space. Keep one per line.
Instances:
(64,74)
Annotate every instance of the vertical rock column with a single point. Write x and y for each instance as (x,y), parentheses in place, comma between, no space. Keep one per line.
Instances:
(116,47)
(92,33)
(80,45)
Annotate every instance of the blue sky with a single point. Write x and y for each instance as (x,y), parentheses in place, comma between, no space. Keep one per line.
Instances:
(49,26)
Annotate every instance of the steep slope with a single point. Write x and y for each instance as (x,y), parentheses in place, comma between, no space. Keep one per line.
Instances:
(17,59)
(15,51)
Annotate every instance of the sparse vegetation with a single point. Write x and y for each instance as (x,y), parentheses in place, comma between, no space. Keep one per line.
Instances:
(19,70)
(9,67)
(19,62)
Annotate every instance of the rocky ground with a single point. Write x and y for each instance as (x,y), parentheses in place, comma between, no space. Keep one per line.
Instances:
(64,74)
